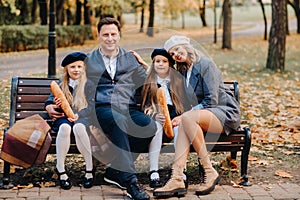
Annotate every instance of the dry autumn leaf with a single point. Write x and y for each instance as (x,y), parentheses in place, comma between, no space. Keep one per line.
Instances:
(283,174)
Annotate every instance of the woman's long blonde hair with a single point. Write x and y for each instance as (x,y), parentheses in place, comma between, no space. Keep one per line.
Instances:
(193,56)
(150,88)
(78,100)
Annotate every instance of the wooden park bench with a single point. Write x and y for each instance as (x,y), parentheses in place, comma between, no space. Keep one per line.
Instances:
(28,96)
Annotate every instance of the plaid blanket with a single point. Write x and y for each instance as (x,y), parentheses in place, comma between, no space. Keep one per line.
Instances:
(26,142)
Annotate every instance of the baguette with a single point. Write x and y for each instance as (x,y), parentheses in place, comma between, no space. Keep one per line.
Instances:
(163,108)
(65,106)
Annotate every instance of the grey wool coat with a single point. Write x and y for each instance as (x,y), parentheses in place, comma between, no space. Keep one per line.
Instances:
(206,90)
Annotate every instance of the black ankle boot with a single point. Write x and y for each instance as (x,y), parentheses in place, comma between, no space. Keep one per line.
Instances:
(154,183)
(64,184)
(88,183)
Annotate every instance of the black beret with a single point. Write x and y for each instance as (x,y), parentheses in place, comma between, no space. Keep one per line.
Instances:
(73,57)
(164,53)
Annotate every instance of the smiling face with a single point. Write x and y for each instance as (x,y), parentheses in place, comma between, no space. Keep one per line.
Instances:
(178,53)
(161,66)
(75,69)
(109,38)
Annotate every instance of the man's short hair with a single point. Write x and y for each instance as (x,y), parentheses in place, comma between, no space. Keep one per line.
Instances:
(108,21)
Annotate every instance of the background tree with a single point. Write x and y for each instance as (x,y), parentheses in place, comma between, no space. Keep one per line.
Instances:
(22,4)
(33,11)
(78,12)
(265,19)
(43,12)
(277,40)
(202,12)
(151,19)
(86,12)
(59,11)
(296,6)
(227,16)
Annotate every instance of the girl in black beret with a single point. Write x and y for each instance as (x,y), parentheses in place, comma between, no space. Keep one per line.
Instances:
(78,92)
(161,73)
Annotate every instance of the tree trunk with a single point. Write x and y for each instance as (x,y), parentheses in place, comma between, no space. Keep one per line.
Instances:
(33,11)
(86,13)
(182,20)
(23,11)
(142,17)
(69,17)
(265,19)
(78,12)
(227,15)
(276,52)
(59,11)
(287,31)
(296,7)
(151,19)
(202,12)
(43,12)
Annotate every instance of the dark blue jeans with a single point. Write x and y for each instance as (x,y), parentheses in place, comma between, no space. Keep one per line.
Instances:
(131,133)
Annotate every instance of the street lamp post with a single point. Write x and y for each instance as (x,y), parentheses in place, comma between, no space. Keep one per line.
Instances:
(215,22)
(52,42)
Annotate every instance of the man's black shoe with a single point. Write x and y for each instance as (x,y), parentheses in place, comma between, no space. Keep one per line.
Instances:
(114,180)
(134,191)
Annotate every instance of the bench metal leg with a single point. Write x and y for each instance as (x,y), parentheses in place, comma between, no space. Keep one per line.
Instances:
(244,158)
(6,184)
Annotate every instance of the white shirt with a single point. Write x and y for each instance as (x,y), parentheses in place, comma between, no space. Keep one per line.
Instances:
(73,83)
(164,83)
(110,64)
(188,75)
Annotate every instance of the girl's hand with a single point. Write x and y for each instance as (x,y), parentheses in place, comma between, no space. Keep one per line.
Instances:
(73,119)
(176,121)
(160,118)
(57,101)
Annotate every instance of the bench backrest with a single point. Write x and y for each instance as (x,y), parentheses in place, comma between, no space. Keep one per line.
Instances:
(28,96)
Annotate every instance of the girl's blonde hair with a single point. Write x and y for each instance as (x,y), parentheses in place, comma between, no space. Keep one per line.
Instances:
(150,88)
(79,100)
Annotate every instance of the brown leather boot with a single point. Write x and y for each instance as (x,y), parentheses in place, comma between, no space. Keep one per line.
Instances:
(175,185)
(211,178)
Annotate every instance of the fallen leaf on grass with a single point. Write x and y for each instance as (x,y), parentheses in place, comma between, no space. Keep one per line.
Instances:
(252,158)
(229,164)
(297,137)
(283,174)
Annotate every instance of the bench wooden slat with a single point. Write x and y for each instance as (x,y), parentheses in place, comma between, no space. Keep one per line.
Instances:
(22,115)
(32,98)
(34,90)
(35,81)
(30,106)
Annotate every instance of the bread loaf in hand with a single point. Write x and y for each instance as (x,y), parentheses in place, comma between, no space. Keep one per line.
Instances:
(65,106)
(162,102)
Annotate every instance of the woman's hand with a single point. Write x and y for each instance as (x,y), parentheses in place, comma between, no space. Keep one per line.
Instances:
(160,118)
(176,121)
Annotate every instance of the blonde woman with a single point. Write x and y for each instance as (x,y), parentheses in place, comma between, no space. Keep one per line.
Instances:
(79,93)
(215,110)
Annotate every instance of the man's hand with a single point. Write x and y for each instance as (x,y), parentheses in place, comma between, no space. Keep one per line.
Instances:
(53,113)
